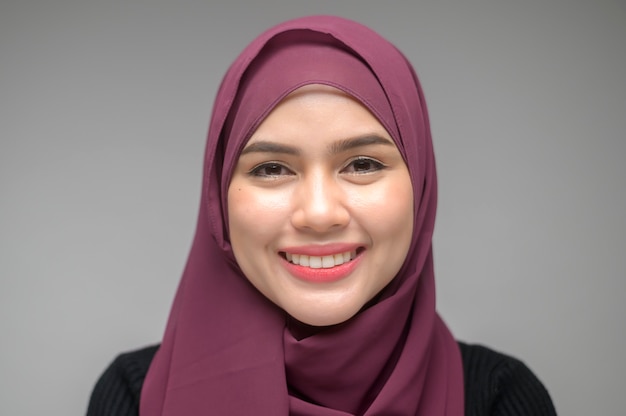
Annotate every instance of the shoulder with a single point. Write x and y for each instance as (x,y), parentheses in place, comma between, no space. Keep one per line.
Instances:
(497,384)
(118,389)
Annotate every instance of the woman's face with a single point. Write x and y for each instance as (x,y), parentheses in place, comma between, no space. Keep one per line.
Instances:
(320,206)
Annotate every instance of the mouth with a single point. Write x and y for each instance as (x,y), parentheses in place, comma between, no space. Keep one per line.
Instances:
(321,262)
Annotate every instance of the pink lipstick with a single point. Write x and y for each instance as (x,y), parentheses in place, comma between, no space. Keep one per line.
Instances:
(321,264)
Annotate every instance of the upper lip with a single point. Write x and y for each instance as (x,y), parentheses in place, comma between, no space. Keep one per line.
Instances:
(321,249)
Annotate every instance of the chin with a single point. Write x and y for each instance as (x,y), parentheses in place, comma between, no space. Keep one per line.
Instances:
(323,319)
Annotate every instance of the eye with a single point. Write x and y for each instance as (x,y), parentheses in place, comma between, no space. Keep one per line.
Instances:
(363,165)
(270,169)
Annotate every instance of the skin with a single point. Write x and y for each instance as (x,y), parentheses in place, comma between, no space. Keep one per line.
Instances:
(293,186)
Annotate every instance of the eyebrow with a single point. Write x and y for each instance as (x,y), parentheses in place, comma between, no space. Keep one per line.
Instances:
(348,144)
(263,146)
(340,146)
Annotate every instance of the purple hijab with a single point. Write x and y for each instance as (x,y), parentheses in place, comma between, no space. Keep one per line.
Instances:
(227,350)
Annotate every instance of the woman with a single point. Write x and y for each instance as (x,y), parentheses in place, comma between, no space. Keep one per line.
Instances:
(309,289)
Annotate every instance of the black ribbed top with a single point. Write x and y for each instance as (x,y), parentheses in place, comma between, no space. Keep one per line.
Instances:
(495,384)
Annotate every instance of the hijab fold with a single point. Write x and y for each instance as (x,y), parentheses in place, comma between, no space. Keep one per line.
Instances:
(227,349)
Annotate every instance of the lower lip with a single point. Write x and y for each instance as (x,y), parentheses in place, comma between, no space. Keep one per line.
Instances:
(322,275)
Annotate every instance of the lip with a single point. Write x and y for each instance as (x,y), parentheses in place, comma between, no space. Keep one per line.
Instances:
(322,275)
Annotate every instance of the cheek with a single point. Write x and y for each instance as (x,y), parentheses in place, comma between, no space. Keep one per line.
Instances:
(386,203)
(253,214)
(386,214)
(253,198)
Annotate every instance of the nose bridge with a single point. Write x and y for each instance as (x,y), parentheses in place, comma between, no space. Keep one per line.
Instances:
(320,202)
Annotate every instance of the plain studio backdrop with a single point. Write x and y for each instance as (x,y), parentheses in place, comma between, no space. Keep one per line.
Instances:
(104,108)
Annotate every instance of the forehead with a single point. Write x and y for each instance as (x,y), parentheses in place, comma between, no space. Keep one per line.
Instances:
(316,109)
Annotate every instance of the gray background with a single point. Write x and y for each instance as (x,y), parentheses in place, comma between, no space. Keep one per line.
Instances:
(104,106)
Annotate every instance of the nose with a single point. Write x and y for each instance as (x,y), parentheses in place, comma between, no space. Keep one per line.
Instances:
(320,204)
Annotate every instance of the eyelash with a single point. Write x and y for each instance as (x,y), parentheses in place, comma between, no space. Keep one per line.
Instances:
(257,171)
(361,159)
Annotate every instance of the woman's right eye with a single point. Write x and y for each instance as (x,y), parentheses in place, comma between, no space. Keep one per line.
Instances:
(270,169)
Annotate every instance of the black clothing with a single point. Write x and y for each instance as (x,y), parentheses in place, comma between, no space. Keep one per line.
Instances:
(495,385)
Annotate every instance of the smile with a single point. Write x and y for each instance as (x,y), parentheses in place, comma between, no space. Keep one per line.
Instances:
(320,262)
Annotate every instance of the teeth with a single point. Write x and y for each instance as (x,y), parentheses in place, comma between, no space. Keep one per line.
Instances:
(347,256)
(314,262)
(329,261)
(319,262)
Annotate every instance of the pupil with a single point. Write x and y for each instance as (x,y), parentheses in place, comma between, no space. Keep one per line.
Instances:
(272,169)
(362,165)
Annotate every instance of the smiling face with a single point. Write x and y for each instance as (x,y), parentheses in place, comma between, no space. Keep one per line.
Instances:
(320,206)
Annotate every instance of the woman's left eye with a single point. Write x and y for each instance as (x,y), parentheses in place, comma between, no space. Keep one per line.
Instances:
(363,165)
